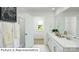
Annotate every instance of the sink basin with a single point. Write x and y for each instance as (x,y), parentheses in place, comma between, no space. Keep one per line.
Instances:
(61,36)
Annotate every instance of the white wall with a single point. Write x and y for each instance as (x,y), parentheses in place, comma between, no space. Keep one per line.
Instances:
(1,35)
(36,20)
(49,20)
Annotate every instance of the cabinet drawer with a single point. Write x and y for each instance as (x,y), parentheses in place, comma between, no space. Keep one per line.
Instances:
(71,49)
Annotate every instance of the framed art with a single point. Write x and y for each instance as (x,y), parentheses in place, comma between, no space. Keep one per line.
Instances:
(8,14)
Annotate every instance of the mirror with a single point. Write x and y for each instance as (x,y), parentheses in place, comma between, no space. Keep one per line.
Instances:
(69,21)
(77,32)
(60,22)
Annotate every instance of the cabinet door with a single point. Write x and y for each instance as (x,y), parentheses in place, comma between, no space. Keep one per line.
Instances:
(50,44)
(47,38)
(53,45)
(58,48)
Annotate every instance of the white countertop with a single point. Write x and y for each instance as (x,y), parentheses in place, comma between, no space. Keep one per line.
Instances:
(64,42)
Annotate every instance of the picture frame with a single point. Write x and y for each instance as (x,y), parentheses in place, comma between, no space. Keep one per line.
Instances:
(9,14)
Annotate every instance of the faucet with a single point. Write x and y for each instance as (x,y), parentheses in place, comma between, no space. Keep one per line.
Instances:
(76,37)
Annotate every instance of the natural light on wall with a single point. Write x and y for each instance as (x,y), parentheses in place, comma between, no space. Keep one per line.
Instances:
(39,24)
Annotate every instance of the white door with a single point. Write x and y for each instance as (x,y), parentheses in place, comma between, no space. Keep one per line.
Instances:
(29,32)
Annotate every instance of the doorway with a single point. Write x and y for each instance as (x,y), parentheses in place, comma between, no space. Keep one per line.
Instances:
(38,30)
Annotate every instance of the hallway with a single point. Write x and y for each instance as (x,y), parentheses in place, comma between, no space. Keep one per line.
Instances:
(39,43)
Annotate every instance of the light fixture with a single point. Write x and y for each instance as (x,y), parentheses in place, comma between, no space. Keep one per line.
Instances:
(53,9)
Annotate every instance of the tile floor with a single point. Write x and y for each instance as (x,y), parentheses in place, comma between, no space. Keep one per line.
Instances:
(42,47)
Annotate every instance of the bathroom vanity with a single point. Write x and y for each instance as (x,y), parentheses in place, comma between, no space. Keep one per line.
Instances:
(57,44)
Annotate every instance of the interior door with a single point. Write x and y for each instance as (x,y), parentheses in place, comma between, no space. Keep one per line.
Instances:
(29,32)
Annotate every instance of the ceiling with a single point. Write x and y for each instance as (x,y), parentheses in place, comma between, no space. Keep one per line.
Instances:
(36,9)
(73,9)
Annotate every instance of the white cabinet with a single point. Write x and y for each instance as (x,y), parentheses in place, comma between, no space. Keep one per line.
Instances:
(58,47)
(50,44)
(57,44)
(53,45)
